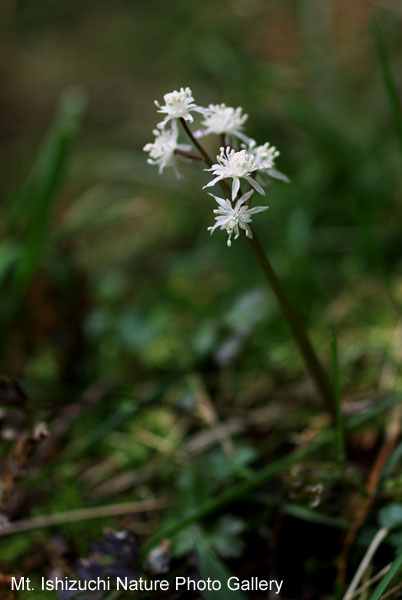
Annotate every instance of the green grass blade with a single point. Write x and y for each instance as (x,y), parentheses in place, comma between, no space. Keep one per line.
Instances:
(386,580)
(389,83)
(31,207)
(307,514)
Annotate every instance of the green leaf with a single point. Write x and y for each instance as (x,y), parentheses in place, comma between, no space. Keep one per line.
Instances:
(390,516)
(31,207)
(225,537)
(211,567)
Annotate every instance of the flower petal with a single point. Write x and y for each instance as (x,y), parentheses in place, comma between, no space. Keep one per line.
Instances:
(278,175)
(243,199)
(220,201)
(235,187)
(255,185)
(211,183)
(256,209)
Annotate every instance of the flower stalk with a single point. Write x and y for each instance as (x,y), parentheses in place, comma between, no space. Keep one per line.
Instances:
(300,334)
(196,143)
(311,360)
(254,165)
(190,155)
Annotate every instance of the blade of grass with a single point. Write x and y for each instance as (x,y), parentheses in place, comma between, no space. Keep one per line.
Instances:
(32,205)
(375,410)
(386,580)
(389,83)
(307,514)
(340,433)
(303,512)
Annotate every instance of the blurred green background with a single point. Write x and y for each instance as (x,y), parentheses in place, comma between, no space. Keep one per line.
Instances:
(112,285)
(155,284)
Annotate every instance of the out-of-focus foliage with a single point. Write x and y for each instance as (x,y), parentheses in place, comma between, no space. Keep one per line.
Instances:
(158,359)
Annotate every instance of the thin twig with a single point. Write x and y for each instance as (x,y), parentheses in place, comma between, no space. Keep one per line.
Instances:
(371,550)
(82,514)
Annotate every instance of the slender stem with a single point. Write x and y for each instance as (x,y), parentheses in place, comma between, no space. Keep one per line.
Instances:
(208,160)
(196,143)
(310,358)
(191,155)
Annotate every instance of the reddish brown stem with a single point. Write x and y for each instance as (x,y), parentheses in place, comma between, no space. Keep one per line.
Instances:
(196,143)
(190,155)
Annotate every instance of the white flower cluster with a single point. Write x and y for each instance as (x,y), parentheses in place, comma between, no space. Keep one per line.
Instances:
(232,217)
(178,105)
(235,165)
(224,120)
(248,163)
(162,150)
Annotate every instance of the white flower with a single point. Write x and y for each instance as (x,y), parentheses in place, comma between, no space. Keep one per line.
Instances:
(235,165)
(232,217)
(224,119)
(178,105)
(161,151)
(265,156)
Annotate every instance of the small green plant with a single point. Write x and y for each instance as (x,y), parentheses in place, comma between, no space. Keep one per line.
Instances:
(242,168)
